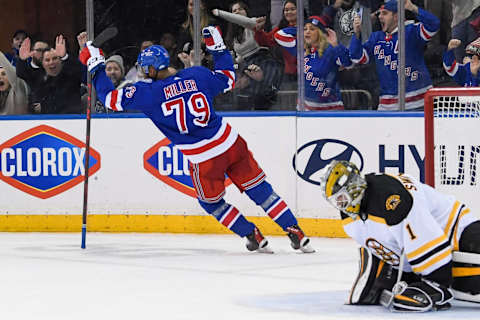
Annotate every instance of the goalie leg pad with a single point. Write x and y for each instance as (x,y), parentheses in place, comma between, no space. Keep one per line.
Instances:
(466,263)
(374,276)
(421,297)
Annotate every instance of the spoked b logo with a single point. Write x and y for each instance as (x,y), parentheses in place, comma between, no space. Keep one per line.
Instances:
(315,155)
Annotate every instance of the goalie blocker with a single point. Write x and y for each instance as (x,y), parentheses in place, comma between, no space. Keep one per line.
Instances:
(377,279)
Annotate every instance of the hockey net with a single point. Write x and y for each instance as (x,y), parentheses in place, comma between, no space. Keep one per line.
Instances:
(452,142)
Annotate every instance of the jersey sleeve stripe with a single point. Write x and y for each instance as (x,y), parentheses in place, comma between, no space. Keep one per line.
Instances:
(426,247)
(425,34)
(363,59)
(376,219)
(451,70)
(231,79)
(439,260)
(430,254)
(113,100)
(285,39)
(456,245)
(453,213)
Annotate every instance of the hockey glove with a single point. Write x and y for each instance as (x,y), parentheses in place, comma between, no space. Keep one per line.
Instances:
(422,296)
(213,39)
(92,57)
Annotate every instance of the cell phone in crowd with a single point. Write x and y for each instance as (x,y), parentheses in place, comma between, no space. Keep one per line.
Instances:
(359,12)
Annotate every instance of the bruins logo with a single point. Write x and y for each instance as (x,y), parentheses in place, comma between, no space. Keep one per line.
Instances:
(392,202)
(386,254)
(346,22)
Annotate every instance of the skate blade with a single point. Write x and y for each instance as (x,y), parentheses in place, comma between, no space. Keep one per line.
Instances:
(307,249)
(265,249)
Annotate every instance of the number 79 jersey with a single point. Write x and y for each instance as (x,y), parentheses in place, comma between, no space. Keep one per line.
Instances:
(406,214)
(181,106)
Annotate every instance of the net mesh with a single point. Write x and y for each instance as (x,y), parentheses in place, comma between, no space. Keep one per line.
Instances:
(457,144)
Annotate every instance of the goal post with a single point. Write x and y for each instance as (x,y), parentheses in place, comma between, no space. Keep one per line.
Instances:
(452,142)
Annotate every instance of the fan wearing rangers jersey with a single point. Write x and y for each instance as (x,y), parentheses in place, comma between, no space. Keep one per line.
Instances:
(323,58)
(398,218)
(382,46)
(180,104)
(466,73)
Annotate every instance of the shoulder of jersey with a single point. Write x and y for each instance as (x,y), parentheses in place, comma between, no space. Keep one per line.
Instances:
(389,198)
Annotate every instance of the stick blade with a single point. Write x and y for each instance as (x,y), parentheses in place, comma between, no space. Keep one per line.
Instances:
(104,36)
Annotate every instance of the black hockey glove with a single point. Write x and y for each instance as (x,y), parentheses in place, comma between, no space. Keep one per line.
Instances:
(421,296)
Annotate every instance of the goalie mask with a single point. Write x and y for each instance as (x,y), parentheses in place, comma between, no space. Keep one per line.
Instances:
(343,186)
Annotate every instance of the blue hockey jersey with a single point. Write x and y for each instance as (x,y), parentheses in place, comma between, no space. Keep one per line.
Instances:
(181,106)
(383,48)
(322,91)
(459,72)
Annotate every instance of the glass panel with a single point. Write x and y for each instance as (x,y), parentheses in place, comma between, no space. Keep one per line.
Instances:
(48,75)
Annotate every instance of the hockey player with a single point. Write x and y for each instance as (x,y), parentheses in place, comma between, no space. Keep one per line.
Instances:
(382,46)
(323,58)
(466,73)
(180,104)
(402,222)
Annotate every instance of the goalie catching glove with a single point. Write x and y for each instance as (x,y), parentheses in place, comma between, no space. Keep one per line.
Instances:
(213,39)
(92,57)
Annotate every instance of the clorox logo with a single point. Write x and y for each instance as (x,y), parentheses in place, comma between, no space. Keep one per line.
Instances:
(165,162)
(44,161)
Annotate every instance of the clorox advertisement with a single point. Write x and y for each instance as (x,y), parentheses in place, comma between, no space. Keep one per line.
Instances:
(44,161)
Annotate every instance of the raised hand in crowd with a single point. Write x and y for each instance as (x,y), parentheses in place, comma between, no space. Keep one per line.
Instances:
(82,39)
(60,47)
(357,25)
(25,51)
(254,72)
(454,43)
(260,23)
(332,37)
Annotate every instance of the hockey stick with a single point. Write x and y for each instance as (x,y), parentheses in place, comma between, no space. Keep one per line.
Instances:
(104,36)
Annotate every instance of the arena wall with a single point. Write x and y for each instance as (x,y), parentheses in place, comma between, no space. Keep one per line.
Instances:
(139,183)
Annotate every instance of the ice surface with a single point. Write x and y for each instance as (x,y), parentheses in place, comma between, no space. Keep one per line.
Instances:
(171,276)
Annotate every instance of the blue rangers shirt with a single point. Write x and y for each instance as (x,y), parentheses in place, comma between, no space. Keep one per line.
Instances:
(181,106)
(383,48)
(322,91)
(461,73)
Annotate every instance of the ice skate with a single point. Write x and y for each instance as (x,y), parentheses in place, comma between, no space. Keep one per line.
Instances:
(299,240)
(257,242)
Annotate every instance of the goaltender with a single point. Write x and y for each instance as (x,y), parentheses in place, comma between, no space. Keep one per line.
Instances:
(420,248)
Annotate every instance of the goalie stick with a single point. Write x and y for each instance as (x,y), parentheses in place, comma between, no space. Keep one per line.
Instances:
(103,37)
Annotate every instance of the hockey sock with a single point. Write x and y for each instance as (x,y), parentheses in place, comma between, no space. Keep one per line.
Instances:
(229,216)
(264,196)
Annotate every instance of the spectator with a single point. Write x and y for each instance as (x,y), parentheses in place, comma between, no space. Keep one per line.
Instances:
(13,90)
(363,77)
(186,31)
(259,75)
(382,47)
(466,73)
(17,40)
(56,87)
(323,58)
(134,74)
(464,12)
(266,39)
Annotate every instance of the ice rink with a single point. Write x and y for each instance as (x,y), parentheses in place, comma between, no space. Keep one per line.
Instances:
(176,276)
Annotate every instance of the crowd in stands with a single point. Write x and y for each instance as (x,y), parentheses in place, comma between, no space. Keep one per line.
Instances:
(348,56)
